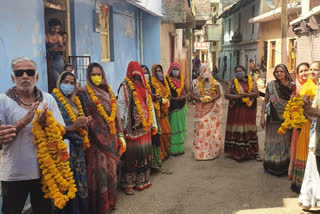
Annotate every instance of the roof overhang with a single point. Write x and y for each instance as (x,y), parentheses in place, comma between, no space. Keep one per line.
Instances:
(152,7)
(275,14)
(314,11)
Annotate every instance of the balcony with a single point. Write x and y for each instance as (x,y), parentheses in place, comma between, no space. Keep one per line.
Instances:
(203,11)
(213,32)
(178,12)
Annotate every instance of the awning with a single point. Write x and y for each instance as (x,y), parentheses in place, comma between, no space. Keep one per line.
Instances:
(150,6)
(275,14)
(314,11)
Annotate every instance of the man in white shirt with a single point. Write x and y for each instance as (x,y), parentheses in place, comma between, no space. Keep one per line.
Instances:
(19,168)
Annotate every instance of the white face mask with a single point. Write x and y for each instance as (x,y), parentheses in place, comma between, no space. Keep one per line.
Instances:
(146,76)
(175,73)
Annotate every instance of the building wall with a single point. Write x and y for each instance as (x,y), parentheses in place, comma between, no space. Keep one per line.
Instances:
(308,46)
(22,34)
(166,30)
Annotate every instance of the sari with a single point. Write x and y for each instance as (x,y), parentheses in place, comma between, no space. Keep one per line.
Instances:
(277,147)
(164,118)
(302,146)
(78,205)
(137,158)
(241,140)
(103,155)
(207,135)
(177,116)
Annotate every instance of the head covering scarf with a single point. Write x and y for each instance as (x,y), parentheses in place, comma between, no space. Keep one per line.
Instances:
(71,99)
(288,76)
(160,83)
(100,91)
(171,67)
(134,68)
(299,80)
(205,71)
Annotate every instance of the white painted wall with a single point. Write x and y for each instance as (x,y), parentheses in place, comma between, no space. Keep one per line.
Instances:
(150,6)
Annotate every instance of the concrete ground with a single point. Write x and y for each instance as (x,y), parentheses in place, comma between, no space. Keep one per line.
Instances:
(221,186)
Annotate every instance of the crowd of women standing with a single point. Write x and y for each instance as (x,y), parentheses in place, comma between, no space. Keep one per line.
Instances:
(129,135)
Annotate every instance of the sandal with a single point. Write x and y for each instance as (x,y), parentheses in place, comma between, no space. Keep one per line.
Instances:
(258,158)
(129,191)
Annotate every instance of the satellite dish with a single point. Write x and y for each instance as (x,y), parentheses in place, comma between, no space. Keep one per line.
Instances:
(272,4)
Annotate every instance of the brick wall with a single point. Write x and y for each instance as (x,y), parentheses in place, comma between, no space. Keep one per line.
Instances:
(308,47)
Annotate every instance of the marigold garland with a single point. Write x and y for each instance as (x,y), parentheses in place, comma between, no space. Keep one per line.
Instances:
(158,92)
(72,116)
(146,125)
(293,115)
(309,88)
(56,176)
(213,88)
(109,119)
(246,100)
(178,90)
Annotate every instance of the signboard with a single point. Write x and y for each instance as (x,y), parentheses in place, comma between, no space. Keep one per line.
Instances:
(201,45)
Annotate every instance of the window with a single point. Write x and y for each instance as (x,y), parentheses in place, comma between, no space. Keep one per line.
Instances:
(273,54)
(105,33)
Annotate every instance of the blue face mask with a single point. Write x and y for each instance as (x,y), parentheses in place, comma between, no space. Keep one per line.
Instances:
(159,76)
(67,89)
(175,73)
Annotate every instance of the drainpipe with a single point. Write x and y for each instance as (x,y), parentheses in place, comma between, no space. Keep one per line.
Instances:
(141,37)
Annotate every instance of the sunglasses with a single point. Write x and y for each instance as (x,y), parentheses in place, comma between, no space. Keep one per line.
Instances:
(19,73)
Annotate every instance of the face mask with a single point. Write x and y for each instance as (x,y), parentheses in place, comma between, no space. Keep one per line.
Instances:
(96,80)
(146,76)
(240,75)
(136,77)
(67,89)
(159,76)
(175,73)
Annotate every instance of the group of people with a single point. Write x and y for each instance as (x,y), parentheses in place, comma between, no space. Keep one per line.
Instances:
(103,134)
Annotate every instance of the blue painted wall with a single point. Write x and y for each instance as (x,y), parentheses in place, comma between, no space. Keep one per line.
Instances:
(22,33)
(151,39)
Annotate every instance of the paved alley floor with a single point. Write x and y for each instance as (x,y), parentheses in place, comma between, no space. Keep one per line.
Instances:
(221,186)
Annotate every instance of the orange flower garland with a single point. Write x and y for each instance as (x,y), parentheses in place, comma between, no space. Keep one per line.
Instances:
(56,176)
(246,100)
(178,90)
(158,92)
(110,120)
(213,88)
(72,116)
(146,125)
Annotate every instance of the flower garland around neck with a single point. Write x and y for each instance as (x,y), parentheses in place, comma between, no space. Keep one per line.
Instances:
(178,90)
(109,119)
(246,100)
(56,176)
(146,125)
(293,115)
(155,84)
(213,88)
(72,116)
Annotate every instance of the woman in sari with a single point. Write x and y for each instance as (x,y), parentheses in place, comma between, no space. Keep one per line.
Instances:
(276,149)
(310,189)
(162,89)
(103,155)
(241,140)
(303,140)
(156,161)
(178,109)
(207,139)
(138,121)
(301,78)
(65,96)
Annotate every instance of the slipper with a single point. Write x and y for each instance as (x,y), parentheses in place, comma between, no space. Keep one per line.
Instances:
(129,191)
(258,158)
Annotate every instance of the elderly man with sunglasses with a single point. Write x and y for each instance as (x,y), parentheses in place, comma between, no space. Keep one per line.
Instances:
(19,168)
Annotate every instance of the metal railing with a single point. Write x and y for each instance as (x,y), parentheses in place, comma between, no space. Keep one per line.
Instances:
(80,65)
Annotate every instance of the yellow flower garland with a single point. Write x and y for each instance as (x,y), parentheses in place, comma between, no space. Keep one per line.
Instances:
(293,115)
(110,120)
(178,90)
(158,92)
(72,116)
(56,176)
(146,125)
(213,88)
(246,100)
